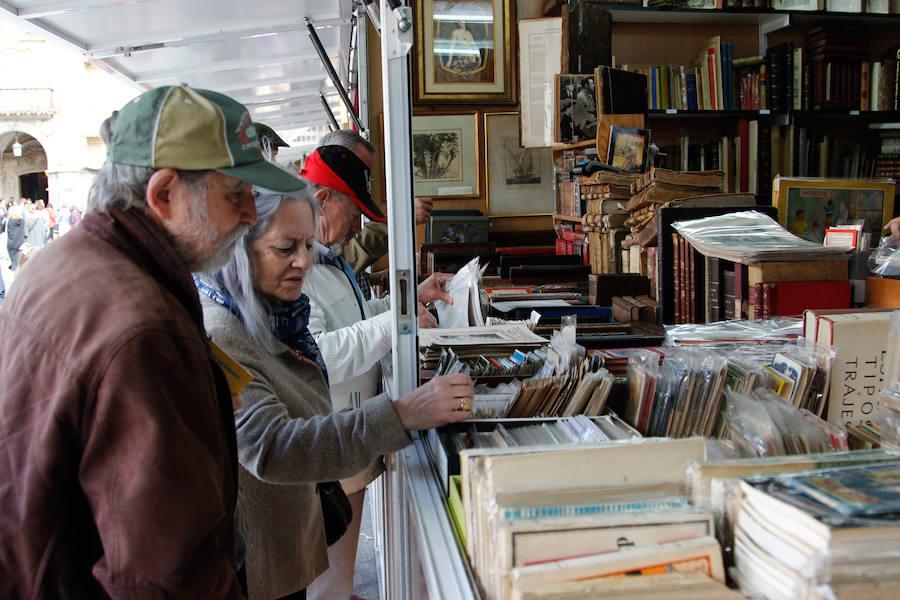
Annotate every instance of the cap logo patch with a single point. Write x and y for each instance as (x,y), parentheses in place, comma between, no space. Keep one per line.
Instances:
(242,133)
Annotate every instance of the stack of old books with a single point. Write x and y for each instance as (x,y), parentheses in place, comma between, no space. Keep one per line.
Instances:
(604,197)
(826,534)
(660,187)
(562,521)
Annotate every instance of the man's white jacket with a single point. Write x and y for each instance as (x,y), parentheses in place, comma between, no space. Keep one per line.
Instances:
(352,342)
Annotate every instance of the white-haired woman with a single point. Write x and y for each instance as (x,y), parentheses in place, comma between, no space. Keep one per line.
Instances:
(288,439)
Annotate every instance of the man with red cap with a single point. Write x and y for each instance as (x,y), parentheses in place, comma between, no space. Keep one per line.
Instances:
(353,333)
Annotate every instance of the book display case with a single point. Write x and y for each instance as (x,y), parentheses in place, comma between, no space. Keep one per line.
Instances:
(435,564)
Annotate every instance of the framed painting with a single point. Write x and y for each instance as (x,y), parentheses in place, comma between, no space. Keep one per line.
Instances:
(628,148)
(808,206)
(464,51)
(446,160)
(519,180)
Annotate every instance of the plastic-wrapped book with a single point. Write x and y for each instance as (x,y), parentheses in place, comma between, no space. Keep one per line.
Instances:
(749,236)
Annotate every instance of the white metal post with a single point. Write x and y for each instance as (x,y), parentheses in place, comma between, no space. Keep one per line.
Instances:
(396,43)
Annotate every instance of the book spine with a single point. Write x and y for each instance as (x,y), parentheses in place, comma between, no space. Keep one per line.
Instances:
(740,291)
(569,510)
(692,283)
(755,302)
(676,269)
(797,76)
(715,291)
(865,85)
(728,294)
(770,299)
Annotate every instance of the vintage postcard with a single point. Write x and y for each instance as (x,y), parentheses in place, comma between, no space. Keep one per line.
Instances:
(628,148)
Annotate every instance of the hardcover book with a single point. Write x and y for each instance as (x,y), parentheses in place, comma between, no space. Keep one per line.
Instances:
(620,91)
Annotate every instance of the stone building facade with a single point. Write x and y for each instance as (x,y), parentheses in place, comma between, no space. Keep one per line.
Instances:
(52,103)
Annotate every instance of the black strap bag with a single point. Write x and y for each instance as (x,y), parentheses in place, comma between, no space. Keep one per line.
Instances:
(336,510)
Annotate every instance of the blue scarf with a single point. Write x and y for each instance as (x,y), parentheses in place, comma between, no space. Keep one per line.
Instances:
(289,322)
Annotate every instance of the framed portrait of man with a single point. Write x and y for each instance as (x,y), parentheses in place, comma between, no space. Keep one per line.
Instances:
(464,51)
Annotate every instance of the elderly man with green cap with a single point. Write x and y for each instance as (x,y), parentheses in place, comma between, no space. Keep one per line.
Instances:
(119,472)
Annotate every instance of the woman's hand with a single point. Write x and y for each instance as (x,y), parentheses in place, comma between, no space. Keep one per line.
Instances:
(893,225)
(444,399)
(433,288)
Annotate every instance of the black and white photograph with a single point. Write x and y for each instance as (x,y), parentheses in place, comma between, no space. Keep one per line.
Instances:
(519,179)
(436,155)
(446,155)
(576,103)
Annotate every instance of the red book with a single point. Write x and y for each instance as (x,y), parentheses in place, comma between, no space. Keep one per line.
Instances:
(676,268)
(793,297)
(560,246)
(756,302)
(744,167)
(767,300)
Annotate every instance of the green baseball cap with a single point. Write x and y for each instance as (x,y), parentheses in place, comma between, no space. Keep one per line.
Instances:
(191,129)
(265,132)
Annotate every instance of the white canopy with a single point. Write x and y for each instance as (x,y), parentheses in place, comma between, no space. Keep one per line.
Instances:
(257,52)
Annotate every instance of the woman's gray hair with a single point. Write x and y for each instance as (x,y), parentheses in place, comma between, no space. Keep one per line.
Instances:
(238,274)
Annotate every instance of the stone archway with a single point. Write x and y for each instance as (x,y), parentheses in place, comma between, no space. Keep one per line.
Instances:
(24,175)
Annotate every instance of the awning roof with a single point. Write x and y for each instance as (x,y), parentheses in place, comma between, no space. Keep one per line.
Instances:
(257,52)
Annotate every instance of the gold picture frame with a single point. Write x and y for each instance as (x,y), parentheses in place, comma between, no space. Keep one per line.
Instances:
(464,52)
(807,206)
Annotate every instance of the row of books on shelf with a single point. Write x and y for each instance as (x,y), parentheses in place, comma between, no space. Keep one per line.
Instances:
(833,72)
(875,7)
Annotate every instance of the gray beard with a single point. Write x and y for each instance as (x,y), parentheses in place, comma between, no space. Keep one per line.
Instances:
(193,240)
(212,263)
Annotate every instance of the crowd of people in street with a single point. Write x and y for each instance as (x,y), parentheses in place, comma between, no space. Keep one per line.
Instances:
(26,226)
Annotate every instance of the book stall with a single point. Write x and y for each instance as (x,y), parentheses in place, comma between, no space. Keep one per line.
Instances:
(673,288)
(694,382)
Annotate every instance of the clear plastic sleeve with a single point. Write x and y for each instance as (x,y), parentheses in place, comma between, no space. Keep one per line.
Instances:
(885,259)
(749,426)
(728,334)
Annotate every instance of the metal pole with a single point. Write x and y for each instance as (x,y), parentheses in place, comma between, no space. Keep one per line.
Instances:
(329,69)
(334,124)
(396,43)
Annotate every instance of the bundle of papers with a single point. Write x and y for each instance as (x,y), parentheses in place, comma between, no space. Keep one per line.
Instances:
(520,433)
(681,398)
(472,342)
(749,236)
(580,390)
(518,364)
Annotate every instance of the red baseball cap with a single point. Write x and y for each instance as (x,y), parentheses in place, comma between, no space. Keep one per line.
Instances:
(341,170)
